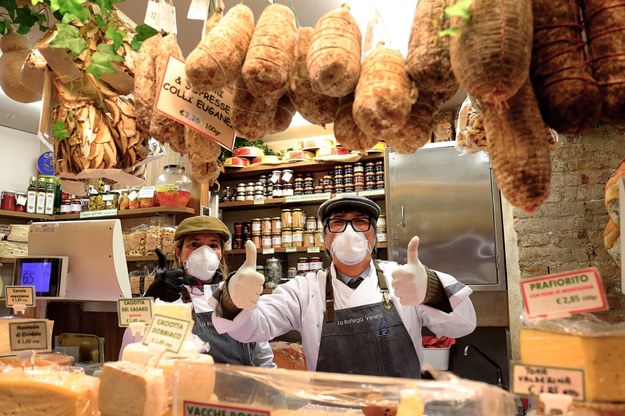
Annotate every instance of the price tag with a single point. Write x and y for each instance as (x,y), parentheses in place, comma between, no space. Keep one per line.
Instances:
(269,251)
(290,249)
(166,332)
(197,408)
(534,380)
(275,176)
(29,335)
(209,113)
(372,192)
(147,192)
(134,310)
(198,10)
(20,295)
(564,294)
(99,213)
(168,17)
(304,198)
(259,201)
(152,15)
(313,250)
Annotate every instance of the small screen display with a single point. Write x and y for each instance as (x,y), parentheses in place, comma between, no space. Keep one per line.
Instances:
(42,273)
(36,274)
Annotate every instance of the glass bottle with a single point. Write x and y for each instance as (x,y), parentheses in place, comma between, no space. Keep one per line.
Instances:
(173,187)
(31,196)
(40,206)
(49,204)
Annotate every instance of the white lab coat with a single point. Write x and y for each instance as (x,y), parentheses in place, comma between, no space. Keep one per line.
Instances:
(299,304)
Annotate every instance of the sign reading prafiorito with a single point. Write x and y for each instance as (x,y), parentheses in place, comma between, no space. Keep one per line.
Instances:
(209,113)
(564,294)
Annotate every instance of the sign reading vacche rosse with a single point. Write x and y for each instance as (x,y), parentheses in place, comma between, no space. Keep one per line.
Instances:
(209,113)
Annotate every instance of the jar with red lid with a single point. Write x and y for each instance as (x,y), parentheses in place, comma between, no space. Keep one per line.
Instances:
(8,201)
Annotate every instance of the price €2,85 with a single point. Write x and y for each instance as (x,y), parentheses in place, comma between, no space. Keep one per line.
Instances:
(573,299)
(196,120)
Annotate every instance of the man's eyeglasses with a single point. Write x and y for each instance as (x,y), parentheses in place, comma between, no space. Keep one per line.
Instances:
(338,225)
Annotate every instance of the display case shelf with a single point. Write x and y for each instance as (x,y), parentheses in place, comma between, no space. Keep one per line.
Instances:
(130,213)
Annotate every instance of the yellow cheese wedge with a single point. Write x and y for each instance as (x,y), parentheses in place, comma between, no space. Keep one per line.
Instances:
(47,392)
(410,404)
(131,389)
(600,357)
(181,375)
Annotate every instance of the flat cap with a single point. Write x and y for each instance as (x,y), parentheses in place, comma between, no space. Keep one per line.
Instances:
(201,224)
(349,203)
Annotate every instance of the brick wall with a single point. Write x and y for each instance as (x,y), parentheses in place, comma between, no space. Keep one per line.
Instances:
(566,232)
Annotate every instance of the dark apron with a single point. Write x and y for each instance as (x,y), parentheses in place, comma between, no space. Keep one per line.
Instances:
(368,340)
(223,348)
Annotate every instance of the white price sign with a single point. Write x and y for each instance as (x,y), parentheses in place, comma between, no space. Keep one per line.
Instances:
(209,113)
(167,332)
(30,335)
(134,310)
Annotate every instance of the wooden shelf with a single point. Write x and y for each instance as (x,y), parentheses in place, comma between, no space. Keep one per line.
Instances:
(8,260)
(306,250)
(377,194)
(129,213)
(301,167)
(151,257)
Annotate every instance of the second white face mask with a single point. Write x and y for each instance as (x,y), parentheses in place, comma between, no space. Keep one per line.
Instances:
(350,247)
(202,263)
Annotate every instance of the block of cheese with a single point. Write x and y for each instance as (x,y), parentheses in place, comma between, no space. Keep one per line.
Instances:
(5,344)
(131,389)
(173,310)
(181,375)
(47,392)
(601,358)
(42,360)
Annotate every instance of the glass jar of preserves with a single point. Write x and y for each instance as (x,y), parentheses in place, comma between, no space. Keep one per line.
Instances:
(124,201)
(276,225)
(173,187)
(8,201)
(302,265)
(265,240)
(265,225)
(286,218)
(238,228)
(287,189)
(21,200)
(318,238)
(274,272)
(237,242)
(309,238)
(291,272)
(297,220)
(298,237)
(249,187)
(147,197)
(276,239)
(287,237)
(256,226)
(311,223)
(66,206)
(277,191)
(287,176)
(260,269)
(275,177)
(348,169)
(256,239)
(315,264)
(298,187)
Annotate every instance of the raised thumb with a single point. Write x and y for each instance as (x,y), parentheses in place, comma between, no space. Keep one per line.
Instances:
(250,255)
(413,251)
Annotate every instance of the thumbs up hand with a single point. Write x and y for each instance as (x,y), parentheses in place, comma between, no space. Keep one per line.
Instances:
(246,285)
(410,281)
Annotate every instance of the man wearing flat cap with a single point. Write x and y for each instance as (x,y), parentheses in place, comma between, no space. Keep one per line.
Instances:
(359,316)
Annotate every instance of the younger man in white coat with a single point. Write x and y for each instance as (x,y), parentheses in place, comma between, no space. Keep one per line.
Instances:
(371,328)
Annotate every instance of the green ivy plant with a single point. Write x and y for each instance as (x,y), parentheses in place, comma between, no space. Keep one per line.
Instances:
(71,14)
(461,10)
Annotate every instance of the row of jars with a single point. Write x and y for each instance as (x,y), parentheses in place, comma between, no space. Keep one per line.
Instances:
(287,237)
(354,177)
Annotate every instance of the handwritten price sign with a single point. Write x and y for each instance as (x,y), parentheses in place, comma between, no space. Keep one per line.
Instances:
(209,113)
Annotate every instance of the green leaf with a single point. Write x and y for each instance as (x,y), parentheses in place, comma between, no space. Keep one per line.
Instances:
(99,20)
(460,9)
(59,130)
(143,32)
(101,61)
(70,9)
(117,36)
(69,38)
(452,31)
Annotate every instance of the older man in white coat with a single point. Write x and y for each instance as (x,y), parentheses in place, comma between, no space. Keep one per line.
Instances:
(350,319)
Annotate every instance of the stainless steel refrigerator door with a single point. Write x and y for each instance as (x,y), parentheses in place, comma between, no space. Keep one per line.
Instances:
(452,203)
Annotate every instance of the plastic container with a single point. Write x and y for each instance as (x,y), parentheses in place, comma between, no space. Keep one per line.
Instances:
(436,357)
(173,187)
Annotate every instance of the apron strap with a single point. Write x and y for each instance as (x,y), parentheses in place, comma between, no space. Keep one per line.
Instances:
(329,297)
(186,298)
(383,286)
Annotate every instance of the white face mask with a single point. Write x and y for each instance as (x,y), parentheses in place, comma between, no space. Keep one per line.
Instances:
(350,247)
(202,263)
